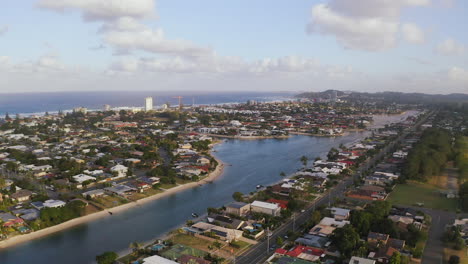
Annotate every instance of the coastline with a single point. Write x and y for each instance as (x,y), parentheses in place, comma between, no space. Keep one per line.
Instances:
(9,242)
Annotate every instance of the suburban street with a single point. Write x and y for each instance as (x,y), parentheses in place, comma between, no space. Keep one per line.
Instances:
(261,251)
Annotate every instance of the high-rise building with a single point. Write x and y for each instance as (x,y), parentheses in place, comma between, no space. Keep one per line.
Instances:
(107,107)
(148,104)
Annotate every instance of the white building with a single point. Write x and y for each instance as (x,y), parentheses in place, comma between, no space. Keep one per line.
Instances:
(265,208)
(157,260)
(121,170)
(358,260)
(54,203)
(80,178)
(148,104)
(106,107)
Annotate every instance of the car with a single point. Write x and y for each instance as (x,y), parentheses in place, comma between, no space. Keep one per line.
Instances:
(302,211)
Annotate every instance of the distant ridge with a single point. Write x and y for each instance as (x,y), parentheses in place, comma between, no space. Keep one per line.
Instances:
(397,97)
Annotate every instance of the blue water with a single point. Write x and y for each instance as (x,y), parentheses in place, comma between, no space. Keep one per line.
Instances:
(55,101)
(249,163)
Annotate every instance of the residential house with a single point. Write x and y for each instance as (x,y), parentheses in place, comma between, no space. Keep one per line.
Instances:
(358,260)
(340,213)
(21,196)
(265,208)
(238,208)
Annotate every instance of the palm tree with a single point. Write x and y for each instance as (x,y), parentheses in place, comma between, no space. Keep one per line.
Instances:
(304,160)
(135,246)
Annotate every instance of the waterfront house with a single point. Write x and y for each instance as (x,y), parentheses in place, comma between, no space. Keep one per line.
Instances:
(93,193)
(238,208)
(8,219)
(227,234)
(120,189)
(265,208)
(225,221)
(157,260)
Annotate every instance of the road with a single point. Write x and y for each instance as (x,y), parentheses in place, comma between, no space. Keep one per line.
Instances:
(260,252)
(433,252)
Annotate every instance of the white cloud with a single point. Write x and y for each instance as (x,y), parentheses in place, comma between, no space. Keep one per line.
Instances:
(450,47)
(459,75)
(135,36)
(3,29)
(368,33)
(371,25)
(374,8)
(412,33)
(93,10)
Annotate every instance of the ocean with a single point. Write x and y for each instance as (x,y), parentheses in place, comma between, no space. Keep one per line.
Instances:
(36,103)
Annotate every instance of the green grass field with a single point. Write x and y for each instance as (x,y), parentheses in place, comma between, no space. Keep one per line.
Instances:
(178,250)
(412,193)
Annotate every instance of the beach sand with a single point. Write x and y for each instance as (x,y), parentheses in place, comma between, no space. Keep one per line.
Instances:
(105,213)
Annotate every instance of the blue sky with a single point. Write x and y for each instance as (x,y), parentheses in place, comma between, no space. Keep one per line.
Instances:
(368,45)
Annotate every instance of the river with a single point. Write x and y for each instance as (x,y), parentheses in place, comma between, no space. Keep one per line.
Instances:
(249,162)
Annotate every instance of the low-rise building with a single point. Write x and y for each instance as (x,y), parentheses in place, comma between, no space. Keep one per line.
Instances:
(265,208)
(238,208)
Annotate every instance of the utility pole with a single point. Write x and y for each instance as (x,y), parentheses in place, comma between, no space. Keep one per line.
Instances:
(268,240)
(294,222)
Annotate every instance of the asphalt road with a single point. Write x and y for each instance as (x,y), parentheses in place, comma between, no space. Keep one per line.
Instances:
(260,252)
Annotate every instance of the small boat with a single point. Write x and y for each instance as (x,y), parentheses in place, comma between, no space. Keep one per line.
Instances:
(259,186)
(194,215)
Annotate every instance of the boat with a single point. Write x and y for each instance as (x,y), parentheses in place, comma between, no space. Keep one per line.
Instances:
(259,186)
(194,215)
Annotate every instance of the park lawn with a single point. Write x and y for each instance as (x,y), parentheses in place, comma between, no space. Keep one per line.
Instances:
(412,193)
(461,253)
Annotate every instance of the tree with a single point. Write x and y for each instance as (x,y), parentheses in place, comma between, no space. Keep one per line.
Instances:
(333,154)
(346,239)
(316,217)
(396,258)
(237,196)
(279,241)
(135,246)
(304,160)
(107,257)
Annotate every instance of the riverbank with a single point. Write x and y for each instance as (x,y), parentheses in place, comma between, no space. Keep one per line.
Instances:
(9,242)
(247,137)
(316,135)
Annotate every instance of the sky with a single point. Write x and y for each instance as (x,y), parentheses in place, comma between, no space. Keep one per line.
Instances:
(241,45)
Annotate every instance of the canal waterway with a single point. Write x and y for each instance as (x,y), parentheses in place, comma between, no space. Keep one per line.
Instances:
(248,163)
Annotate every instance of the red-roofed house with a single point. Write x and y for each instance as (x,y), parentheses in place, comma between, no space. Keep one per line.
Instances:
(302,252)
(280,203)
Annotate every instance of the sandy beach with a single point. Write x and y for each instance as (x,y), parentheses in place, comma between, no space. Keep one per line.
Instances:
(105,213)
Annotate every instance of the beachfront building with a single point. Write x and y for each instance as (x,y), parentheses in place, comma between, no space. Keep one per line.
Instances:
(238,208)
(265,208)
(148,104)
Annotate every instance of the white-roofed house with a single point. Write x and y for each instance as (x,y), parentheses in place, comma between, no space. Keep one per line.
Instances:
(265,208)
